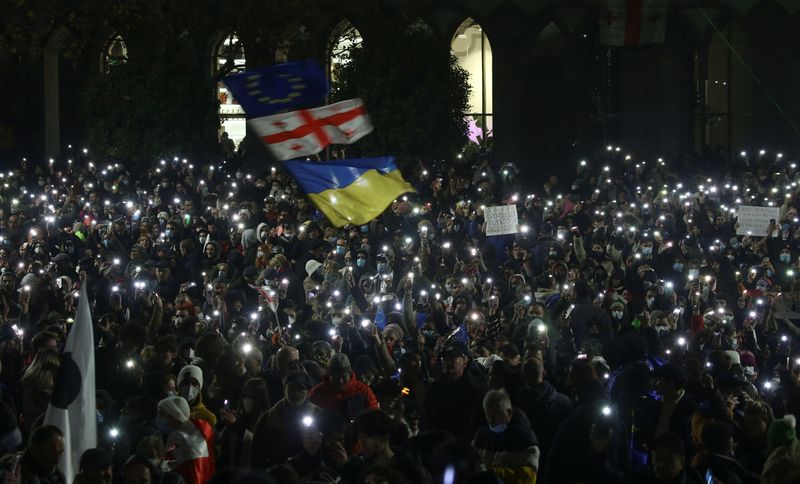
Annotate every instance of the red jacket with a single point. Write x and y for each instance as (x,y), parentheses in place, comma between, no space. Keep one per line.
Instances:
(354,399)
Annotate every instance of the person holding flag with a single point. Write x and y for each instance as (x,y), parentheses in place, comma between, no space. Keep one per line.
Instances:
(190,443)
(74,393)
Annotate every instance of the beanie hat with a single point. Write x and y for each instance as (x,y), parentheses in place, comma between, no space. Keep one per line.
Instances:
(339,362)
(782,431)
(312,266)
(192,372)
(175,407)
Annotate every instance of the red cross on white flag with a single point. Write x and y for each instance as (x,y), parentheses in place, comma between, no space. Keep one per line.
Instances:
(309,131)
(632,22)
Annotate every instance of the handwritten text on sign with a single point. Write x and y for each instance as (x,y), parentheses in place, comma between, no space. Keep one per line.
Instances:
(755,220)
(501,220)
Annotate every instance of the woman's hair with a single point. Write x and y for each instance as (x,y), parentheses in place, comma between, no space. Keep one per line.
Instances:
(42,372)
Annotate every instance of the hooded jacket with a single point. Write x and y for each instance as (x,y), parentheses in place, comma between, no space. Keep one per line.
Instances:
(354,398)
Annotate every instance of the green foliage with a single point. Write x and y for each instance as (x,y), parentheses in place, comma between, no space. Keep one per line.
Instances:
(144,111)
(415,93)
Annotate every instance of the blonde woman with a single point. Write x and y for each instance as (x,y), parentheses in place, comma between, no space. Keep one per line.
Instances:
(37,385)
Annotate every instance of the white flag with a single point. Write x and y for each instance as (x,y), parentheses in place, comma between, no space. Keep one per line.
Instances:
(632,22)
(308,131)
(73,408)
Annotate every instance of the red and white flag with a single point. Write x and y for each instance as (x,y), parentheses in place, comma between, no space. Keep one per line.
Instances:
(633,22)
(309,131)
(190,451)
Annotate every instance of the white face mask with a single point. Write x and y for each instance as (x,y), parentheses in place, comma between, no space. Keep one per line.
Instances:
(189,392)
(336,321)
(247,404)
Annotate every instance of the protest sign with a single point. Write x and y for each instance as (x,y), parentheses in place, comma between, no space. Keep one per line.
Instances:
(755,220)
(501,220)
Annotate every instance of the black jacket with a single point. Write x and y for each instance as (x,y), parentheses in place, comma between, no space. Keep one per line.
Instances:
(546,409)
(455,406)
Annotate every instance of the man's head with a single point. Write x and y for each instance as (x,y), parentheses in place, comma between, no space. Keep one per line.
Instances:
(373,428)
(454,360)
(533,371)
(46,446)
(287,357)
(296,386)
(498,410)
(95,466)
(339,371)
(137,471)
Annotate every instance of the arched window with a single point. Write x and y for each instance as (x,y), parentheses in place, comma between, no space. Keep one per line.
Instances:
(473,52)
(115,53)
(345,38)
(229,58)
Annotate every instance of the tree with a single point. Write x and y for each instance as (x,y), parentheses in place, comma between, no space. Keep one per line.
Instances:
(415,93)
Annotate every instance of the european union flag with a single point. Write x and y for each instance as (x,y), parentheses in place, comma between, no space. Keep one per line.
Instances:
(282,87)
(350,191)
(380,318)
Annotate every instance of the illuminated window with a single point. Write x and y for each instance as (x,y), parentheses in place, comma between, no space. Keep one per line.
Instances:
(115,53)
(345,38)
(473,52)
(229,58)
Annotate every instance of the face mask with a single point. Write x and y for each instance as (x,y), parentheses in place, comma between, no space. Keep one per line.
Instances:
(647,251)
(340,250)
(247,404)
(361,262)
(498,429)
(770,273)
(677,267)
(785,258)
(163,426)
(381,267)
(290,320)
(106,242)
(553,253)
(732,258)
(525,301)
(164,184)
(172,393)
(41,183)
(260,253)
(189,392)
(429,334)
(650,301)
(694,273)
(662,329)
(154,463)
(364,229)
(617,314)
(336,321)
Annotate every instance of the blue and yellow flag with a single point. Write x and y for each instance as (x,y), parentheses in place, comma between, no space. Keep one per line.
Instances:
(350,191)
(282,87)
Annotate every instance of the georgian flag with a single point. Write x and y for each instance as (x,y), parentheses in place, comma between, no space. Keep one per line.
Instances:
(308,131)
(632,22)
(72,408)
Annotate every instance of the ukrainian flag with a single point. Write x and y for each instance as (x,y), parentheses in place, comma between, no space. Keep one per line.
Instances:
(350,191)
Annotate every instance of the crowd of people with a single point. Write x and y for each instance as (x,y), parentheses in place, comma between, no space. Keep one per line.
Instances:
(625,333)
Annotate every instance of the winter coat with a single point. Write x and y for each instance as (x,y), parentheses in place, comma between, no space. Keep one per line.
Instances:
(277,435)
(571,455)
(546,409)
(455,406)
(780,462)
(512,453)
(354,399)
